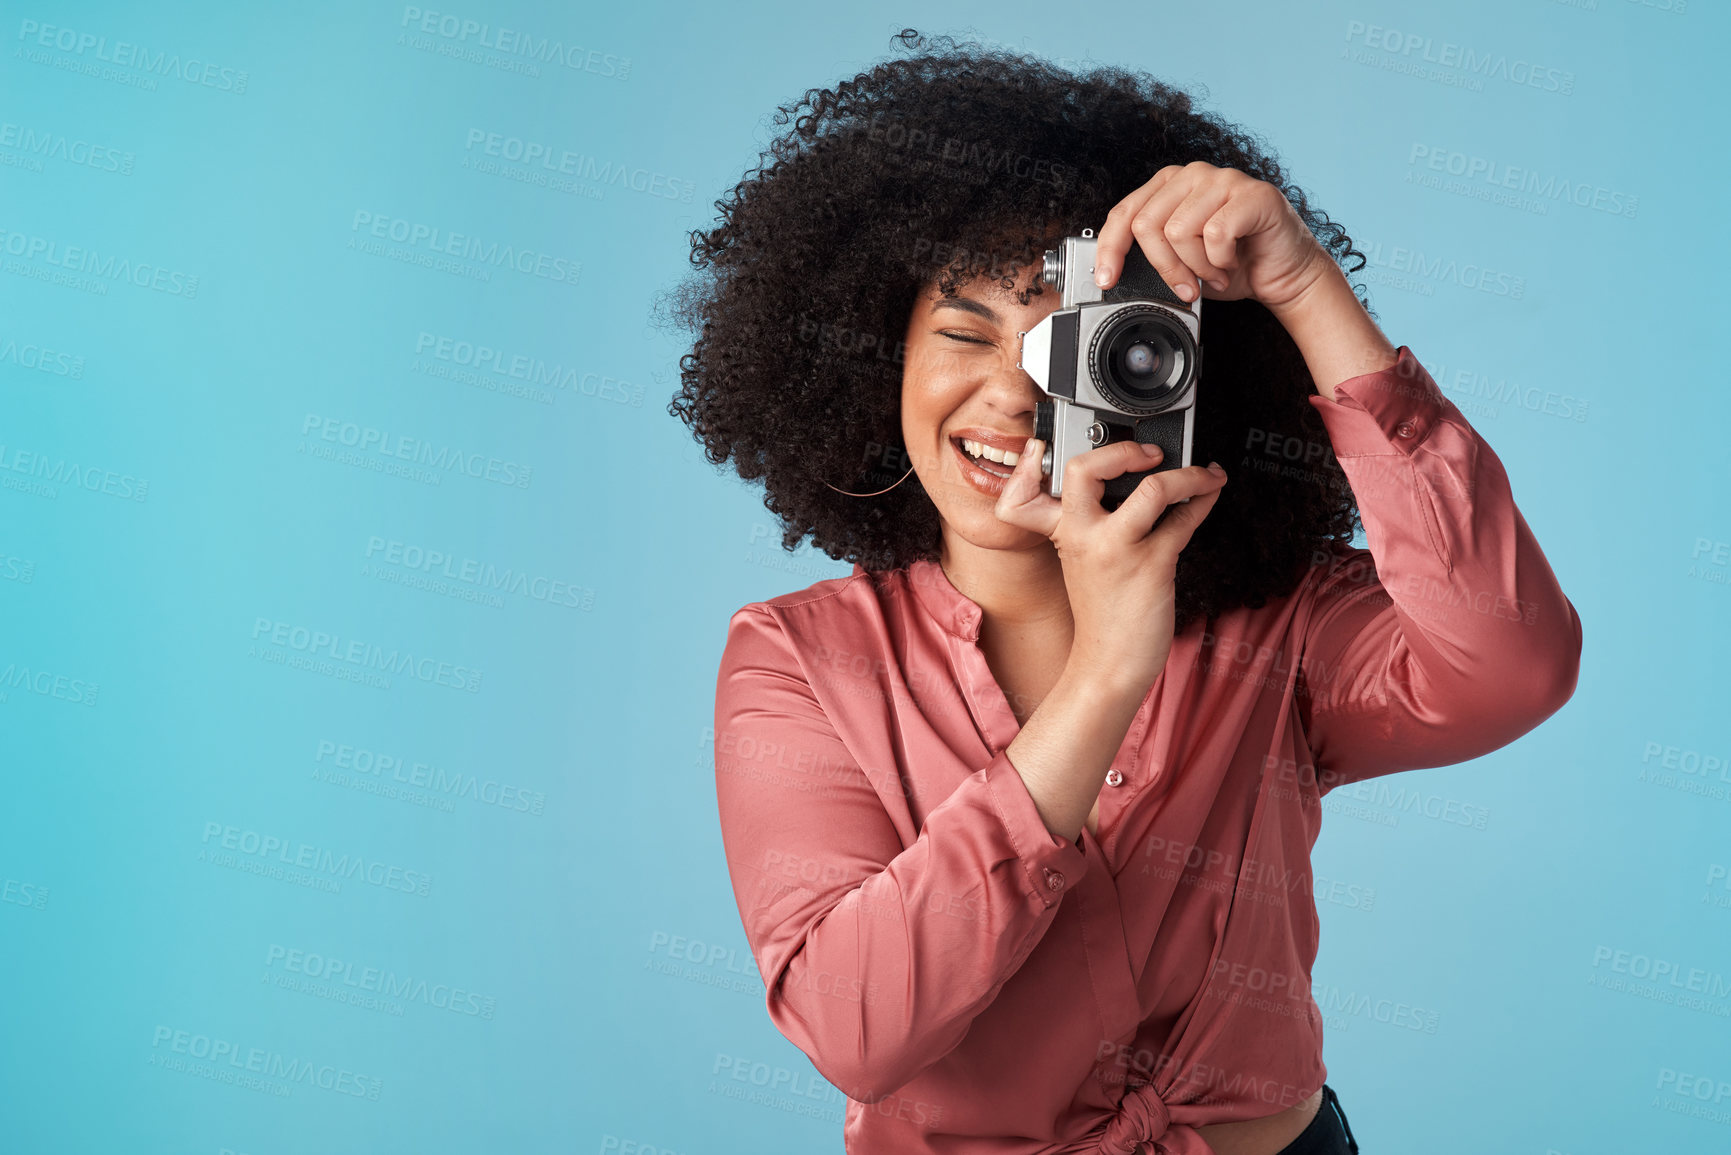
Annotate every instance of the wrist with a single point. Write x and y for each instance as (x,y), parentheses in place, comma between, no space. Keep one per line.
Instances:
(1323,290)
(1105,681)
(1334,332)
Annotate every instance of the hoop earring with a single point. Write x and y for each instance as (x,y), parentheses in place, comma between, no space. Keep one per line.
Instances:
(886,489)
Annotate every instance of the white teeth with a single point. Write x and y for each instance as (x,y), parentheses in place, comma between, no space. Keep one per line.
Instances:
(1001,456)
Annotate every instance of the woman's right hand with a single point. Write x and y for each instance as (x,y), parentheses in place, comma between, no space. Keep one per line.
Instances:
(1118,574)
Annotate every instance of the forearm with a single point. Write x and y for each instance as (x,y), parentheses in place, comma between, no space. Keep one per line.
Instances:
(1064,750)
(1331,328)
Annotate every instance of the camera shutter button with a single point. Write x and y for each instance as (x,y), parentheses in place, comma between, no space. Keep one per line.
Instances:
(1405,429)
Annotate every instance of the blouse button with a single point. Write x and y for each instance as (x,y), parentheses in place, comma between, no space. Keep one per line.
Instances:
(1404,429)
(1113,778)
(1054,880)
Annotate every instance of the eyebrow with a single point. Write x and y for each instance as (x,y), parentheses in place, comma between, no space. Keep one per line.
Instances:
(967,305)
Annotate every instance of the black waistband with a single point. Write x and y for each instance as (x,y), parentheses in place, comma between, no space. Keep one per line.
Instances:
(1328,1133)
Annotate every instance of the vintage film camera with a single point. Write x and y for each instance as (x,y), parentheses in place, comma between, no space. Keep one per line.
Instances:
(1117,365)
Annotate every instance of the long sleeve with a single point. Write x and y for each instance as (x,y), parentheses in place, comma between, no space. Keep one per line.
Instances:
(876,956)
(1450,637)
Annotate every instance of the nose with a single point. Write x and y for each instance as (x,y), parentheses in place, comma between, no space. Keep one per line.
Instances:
(1008,381)
(1010,390)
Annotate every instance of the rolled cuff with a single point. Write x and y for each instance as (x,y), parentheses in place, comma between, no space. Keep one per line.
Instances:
(1050,865)
(1392,409)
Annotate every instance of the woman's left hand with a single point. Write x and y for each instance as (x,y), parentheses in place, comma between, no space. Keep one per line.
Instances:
(1235,235)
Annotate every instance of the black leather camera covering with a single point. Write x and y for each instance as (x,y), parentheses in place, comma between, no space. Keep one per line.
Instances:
(1140,281)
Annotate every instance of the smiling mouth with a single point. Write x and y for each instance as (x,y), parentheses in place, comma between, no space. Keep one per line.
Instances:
(984,471)
(984,465)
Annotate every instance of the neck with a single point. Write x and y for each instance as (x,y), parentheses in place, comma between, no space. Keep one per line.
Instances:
(1017,590)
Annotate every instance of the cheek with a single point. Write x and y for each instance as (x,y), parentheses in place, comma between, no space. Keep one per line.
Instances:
(919,431)
(922,405)
(910,409)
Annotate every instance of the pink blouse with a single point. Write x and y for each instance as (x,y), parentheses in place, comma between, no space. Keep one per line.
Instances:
(974,983)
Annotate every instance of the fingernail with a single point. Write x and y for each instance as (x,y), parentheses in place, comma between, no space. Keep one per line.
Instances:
(1102,274)
(1214,468)
(1218,286)
(1150,448)
(1185,290)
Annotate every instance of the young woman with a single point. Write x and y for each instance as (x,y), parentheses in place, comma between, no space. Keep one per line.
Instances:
(1019,815)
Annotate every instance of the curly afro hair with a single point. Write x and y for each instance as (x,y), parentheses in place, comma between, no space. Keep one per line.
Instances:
(952,163)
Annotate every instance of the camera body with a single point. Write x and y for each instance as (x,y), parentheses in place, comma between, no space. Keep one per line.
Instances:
(1116,365)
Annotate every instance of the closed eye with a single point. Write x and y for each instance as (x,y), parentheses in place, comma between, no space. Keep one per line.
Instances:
(968,338)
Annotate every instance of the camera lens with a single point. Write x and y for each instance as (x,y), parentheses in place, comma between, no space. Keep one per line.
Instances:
(1141,358)
(1142,361)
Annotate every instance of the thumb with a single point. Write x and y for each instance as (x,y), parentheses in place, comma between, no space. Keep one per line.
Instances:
(1024,502)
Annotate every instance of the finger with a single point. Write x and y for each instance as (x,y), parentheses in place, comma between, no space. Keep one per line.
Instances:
(1155,231)
(1114,238)
(1220,238)
(1138,512)
(1242,214)
(1175,532)
(1183,230)
(1086,474)
(1149,227)
(1024,502)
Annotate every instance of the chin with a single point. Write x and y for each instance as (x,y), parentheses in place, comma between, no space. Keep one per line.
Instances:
(985,531)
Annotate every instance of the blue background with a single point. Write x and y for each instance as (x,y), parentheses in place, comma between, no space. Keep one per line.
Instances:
(526,811)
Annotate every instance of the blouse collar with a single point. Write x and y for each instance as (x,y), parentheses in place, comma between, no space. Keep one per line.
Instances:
(941,601)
